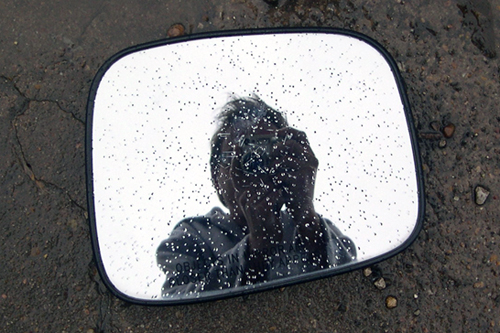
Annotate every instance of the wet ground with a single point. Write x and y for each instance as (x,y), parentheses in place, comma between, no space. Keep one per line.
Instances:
(447,281)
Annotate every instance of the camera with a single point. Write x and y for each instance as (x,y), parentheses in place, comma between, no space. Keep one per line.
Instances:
(256,151)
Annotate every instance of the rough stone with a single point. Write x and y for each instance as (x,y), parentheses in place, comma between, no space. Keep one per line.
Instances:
(176,30)
(380,283)
(481,195)
(449,130)
(391,302)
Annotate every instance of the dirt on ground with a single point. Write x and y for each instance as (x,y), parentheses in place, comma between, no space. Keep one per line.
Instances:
(446,281)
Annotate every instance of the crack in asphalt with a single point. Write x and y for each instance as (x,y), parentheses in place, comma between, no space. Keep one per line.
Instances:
(27,168)
(28,100)
(40,183)
(18,146)
(103,321)
(477,15)
(82,122)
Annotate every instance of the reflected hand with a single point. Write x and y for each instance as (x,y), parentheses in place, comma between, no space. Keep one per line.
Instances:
(261,202)
(294,169)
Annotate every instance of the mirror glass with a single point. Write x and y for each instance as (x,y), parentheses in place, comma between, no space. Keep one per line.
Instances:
(224,164)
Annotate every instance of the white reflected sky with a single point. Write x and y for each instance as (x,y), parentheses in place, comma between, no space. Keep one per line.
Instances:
(154,117)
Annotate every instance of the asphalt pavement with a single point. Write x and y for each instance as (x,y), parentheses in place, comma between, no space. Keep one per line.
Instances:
(446,281)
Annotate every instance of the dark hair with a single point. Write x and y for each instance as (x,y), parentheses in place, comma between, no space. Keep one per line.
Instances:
(237,116)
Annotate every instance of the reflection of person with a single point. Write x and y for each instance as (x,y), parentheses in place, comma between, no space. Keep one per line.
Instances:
(259,167)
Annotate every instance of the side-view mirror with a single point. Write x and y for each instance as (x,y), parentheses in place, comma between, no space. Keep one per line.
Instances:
(225,163)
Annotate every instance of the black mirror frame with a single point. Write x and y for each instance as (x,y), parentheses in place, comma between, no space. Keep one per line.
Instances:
(267,286)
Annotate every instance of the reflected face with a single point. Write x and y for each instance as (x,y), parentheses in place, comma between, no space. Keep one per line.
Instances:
(230,158)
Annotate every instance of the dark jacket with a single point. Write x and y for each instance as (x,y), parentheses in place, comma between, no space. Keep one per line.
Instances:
(210,253)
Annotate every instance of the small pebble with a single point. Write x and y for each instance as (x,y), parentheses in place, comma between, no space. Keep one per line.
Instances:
(367,271)
(478,285)
(481,195)
(448,130)
(435,125)
(391,302)
(176,30)
(442,143)
(380,283)
(493,258)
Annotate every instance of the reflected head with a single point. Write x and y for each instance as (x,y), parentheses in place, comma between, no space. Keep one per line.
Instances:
(238,118)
